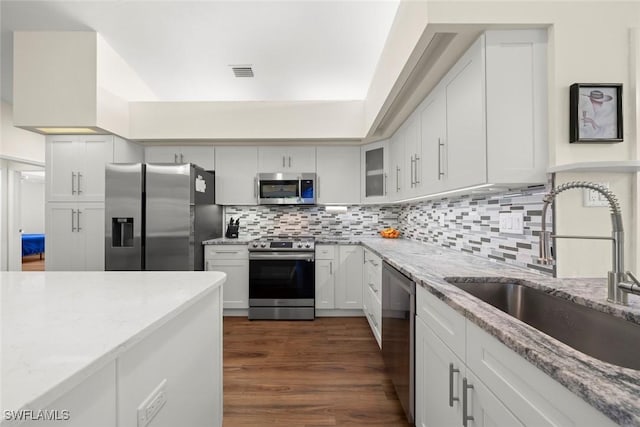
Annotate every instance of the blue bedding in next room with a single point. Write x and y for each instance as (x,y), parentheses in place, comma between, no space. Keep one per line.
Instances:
(32,244)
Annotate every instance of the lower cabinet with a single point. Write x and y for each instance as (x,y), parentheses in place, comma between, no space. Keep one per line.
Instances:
(482,382)
(372,293)
(234,261)
(75,237)
(338,277)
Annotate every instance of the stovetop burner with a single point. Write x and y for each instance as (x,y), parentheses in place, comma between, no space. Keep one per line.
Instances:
(284,243)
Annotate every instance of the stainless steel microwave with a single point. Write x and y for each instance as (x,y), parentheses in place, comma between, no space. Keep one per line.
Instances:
(287,188)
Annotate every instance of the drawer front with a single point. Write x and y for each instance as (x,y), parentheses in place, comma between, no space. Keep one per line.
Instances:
(447,323)
(212,252)
(373,283)
(325,252)
(373,312)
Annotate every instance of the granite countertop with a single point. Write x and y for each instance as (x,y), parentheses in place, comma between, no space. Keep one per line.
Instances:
(58,328)
(613,390)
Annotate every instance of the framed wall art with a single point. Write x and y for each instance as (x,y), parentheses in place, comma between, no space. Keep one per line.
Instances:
(595,112)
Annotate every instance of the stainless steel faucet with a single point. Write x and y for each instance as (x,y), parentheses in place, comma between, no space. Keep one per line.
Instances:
(618,287)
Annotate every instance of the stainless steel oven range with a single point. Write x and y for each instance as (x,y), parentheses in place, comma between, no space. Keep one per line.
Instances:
(282,279)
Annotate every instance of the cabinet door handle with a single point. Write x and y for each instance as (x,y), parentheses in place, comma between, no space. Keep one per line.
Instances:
(255,188)
(181,158)
(206,265)
(413,171)
(465,403)
(79,186)
(440,172)
(73,183)
(226,252)
(371,285)
(317,187)
(78,228)
(452,371)
(73,226)
(330,267)
(283,159)
(384,177)
(175,158)
(289,161)
(397,179)
(415,180)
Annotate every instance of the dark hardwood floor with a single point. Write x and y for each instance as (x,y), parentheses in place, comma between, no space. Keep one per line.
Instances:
(328,372)
(33,263)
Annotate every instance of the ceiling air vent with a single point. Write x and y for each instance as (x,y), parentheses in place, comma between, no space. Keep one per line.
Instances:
(242,70)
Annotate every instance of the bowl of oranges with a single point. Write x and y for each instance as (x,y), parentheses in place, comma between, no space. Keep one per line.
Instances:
(390,233)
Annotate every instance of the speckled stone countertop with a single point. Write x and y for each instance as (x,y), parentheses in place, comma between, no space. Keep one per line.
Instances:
(613,390)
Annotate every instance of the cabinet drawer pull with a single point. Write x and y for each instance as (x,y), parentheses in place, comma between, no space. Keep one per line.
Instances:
(226,252)
(79,186)
(181,158)
(175,158)
(415,180)
(330,267)
(372,286)
(465,403)
(78,228)
(283,159)
(73,224)
(289,161)
(452,371)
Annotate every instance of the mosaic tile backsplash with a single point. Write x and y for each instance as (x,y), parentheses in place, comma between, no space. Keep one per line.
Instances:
(469,224)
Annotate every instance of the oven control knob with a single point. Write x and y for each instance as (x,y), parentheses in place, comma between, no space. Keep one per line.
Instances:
(263,245)
(299,245)
(255,245)
(307,245)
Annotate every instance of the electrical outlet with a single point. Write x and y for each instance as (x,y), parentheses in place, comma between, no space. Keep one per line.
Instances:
(512,222)
(441,220)
(152,404)
(593,198)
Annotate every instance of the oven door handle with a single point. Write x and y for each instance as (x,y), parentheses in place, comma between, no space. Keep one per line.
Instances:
(281,256)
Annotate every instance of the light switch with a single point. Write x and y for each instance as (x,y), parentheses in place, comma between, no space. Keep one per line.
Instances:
(512,222)
(594,198)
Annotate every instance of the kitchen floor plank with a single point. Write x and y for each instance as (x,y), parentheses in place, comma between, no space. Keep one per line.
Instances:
(328,372)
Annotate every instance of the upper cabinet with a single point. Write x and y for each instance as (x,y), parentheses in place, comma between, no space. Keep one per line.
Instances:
(75,167)
(202,156)
(338,170)
(375,172)
(236,169)
(287,159)
(484,123)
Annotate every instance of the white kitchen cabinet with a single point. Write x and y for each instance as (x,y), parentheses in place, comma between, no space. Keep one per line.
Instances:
(413,159)
(375,170)
(75,167)
(75,237)
(372,293)
(338,175)
(505,388)
(438,384)
(236,172)
(287,159)
(397,187)
(465,148)
(433,117)
(348,286)
(326,267)
(201,155)
(234,261)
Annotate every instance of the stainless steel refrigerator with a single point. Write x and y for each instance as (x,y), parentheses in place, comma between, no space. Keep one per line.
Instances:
(157,216)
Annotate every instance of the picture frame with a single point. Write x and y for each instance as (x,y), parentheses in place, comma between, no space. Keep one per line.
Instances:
(595,114)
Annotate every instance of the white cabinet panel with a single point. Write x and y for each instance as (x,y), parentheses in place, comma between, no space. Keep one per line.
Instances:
(485,408)
(287,159)
(325,284)
(439,374)
(127,151)
(375,170)
(75,167)
(413,158)
(338,170)
(91,403)
(236,170)
(348,291)
(75,237)
(465,146)
(433,137)
(234,261)
(202,156)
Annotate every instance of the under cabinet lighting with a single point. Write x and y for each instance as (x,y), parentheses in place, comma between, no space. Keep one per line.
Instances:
(335,208)
(444,193)
(63,131)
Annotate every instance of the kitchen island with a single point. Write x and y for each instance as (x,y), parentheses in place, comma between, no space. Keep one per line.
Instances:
(90,348)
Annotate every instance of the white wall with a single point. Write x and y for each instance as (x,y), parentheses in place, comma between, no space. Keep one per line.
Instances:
(32,206)
(16,143)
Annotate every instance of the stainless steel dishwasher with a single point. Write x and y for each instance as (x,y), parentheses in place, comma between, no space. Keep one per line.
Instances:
(398,334)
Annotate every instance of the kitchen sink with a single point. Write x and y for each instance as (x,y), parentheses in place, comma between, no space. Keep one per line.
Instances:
(597,334)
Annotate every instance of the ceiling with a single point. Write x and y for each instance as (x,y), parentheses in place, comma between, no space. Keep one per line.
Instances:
(299,50)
